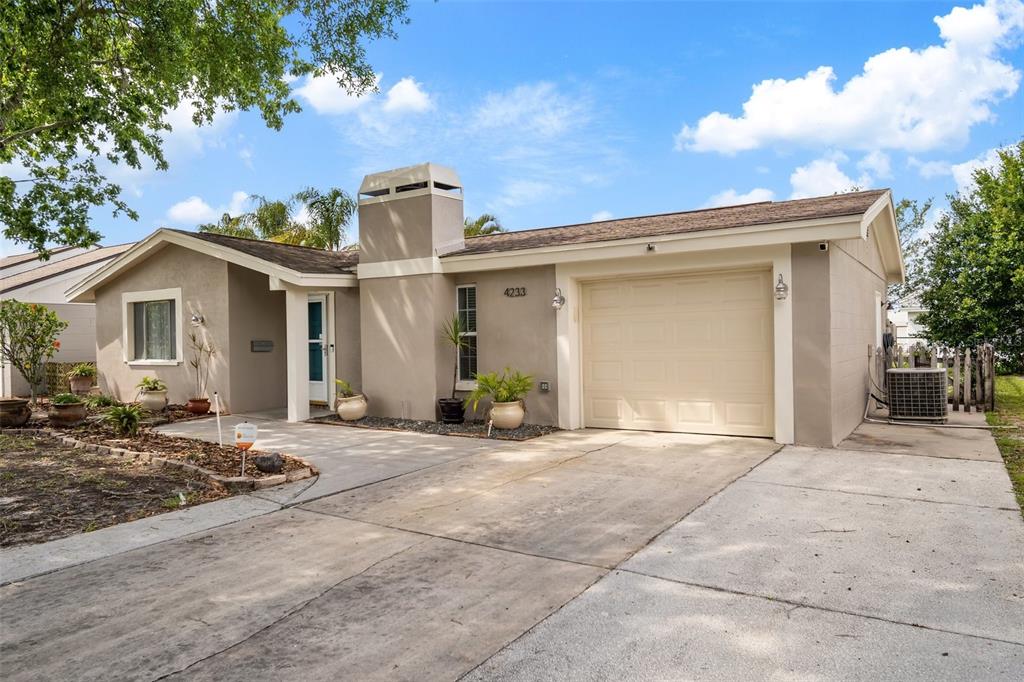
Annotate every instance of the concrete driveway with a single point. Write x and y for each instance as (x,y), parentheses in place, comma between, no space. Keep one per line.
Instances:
(425,574)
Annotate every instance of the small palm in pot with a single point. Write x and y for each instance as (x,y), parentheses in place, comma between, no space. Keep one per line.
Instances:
(452,333)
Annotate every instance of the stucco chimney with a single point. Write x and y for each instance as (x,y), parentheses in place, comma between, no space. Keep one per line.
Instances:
(408,218)
(412,212)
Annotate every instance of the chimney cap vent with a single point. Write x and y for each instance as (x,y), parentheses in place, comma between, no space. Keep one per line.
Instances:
(424,178)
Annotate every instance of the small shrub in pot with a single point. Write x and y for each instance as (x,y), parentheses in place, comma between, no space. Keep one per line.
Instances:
(452,410)
(66,409)
(81,377)
(152,394)
(351,405)
(506,391)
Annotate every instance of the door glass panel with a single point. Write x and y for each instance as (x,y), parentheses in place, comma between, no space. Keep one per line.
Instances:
(316,320)
(316,361)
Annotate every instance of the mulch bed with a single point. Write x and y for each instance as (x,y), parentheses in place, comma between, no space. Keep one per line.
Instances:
(223,460)
(49,490)
(469,429)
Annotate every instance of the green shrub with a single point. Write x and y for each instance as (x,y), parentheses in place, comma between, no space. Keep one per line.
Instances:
(82,369)
(508,387)
(345,389)
(151,384)
(65,399)
(125,419)
(98,401)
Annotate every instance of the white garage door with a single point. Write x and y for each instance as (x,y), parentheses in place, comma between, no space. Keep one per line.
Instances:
(683,353)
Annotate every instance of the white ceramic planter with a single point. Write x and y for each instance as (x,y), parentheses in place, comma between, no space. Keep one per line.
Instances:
(154,401)
(351,409)
(508,415)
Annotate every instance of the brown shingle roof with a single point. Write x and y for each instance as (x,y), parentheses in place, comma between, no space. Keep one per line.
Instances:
(18,258)
(298,258)
(764,213)
(50,269)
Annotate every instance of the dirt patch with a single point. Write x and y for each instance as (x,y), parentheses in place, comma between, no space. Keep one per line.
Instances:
(49,490)
(469,429)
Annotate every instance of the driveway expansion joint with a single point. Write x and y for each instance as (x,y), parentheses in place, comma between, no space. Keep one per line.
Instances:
(815,607)
(888,497)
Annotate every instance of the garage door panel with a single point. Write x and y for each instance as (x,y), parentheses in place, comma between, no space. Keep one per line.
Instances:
(683,353)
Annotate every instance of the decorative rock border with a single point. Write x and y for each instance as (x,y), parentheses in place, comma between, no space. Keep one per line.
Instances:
(232,483)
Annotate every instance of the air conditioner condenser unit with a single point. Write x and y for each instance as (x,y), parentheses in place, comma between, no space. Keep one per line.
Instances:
(918,394)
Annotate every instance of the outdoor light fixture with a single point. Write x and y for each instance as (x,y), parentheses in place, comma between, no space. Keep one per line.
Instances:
(558,301)
(197,319)
(781,290)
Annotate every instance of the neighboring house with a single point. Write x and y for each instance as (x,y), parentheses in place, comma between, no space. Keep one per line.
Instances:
(904,318)
(751,320)
(26,278)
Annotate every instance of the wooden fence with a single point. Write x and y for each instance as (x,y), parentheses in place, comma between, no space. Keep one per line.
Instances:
(971,371)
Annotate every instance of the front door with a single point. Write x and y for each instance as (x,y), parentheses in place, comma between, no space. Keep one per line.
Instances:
(317,348)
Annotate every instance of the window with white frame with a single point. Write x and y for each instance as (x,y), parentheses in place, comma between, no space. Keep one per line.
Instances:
(152,326)
(466,295)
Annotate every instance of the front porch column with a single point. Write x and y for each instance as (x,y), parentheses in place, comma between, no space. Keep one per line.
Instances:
(297,337)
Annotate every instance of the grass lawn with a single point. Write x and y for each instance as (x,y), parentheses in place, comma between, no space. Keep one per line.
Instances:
(1010,411)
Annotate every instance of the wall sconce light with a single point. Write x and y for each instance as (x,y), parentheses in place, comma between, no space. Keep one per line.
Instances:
(781,290)
(558,301)
(197,319)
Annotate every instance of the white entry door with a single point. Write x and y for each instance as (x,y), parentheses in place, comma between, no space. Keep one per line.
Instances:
(318,348)
(688,353)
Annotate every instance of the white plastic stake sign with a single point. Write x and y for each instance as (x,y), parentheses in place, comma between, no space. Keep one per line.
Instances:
(245,436)
(216,407)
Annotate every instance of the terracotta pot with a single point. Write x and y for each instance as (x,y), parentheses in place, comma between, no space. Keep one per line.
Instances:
(154,401)
(67,415)
(452,410)
(508,415)
(14,412)
(351,409)
(80,385)
(198,405)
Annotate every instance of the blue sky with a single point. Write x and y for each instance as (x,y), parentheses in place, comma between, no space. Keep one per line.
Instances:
(555,113)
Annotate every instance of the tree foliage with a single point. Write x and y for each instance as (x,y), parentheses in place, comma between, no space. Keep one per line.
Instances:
(911,218)
(324,227)
(28,338)
(85,83)
(973,286)
(484,224)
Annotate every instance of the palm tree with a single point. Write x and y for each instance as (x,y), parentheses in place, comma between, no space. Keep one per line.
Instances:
(485,224)
(329,216)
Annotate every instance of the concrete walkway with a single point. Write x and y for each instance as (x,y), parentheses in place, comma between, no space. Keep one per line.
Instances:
(585,555)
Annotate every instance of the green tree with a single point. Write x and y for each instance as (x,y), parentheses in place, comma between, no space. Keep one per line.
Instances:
(484,224)
(911,218)
(83,81)
(28,338)
(973,285)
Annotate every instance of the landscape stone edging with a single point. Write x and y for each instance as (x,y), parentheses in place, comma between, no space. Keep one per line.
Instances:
(232,483)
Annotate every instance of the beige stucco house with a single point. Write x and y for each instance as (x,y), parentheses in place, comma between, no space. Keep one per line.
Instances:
(750,320)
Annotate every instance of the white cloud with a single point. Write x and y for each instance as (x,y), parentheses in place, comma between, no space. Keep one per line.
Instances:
(823,176)
(515,193)
(877,163)
(186,138)
(601,215)
(929,169)
(195,210)
(731,197)
(537,109)
(327,97)
(963,173)
(245,154)
(906,99)
(407,95)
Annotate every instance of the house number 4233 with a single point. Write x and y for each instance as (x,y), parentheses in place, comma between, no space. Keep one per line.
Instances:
(515,292)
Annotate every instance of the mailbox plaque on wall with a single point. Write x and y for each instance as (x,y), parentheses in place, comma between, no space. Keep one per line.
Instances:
(261,345)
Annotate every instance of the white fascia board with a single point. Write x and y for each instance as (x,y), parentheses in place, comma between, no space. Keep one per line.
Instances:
(845,227)
(85,290)
(400,268)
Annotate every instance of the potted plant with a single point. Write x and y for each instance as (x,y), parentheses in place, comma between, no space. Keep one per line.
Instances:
(506,392)
(351,405)
(452,409)
(14,412)
(152,394)
(202,354)
(81,377)
(66,409)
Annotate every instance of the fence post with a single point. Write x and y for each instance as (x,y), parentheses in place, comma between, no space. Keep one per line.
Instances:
(956,379)
(968,396)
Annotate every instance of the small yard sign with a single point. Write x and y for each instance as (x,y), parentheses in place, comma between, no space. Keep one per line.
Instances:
(245,436)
